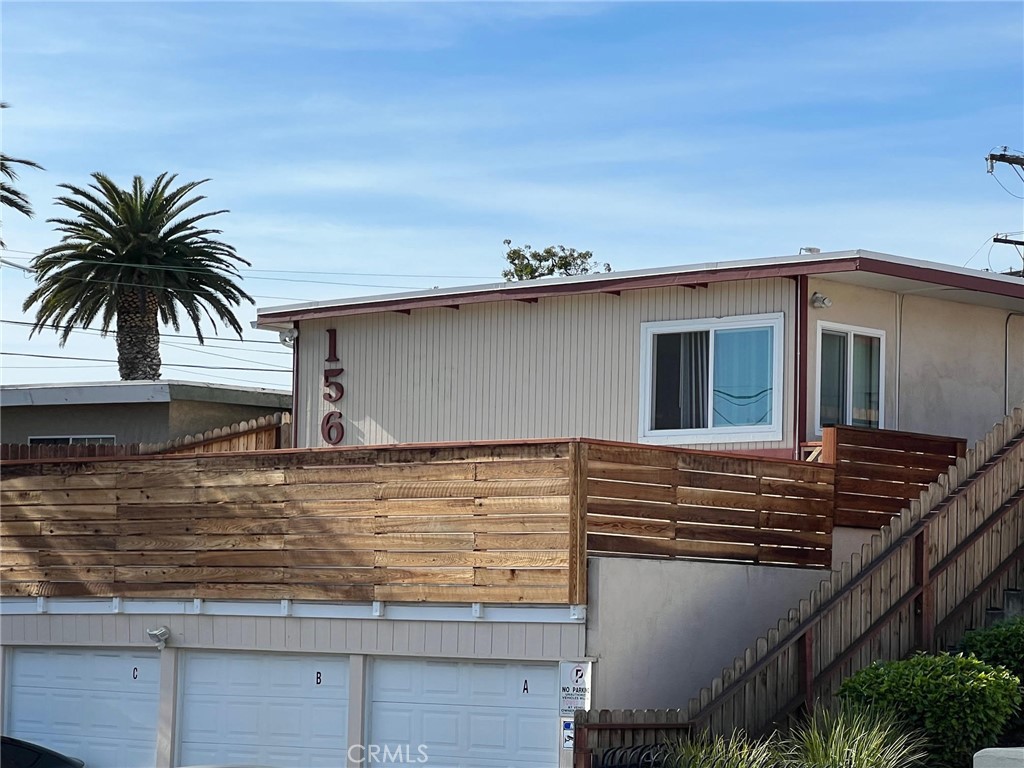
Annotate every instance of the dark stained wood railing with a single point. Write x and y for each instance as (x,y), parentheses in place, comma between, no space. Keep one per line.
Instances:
(670,502)
(879,471)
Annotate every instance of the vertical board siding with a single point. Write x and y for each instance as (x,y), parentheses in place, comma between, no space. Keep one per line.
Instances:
(558,367)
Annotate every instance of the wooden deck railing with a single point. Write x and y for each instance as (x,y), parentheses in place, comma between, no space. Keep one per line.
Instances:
(879,471)
(921,581)
(671,502)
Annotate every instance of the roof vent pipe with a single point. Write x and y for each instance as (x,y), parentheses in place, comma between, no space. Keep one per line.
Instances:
(809,249)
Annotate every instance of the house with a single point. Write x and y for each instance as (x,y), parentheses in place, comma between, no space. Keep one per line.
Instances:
(508,503)
(748,356)
(126,412)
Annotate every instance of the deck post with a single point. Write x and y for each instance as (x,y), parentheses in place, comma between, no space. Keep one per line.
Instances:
(577,523)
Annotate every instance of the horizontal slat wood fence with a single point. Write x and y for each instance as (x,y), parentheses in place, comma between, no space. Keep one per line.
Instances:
(879,471)
(920,582)
(447,524)
(677,503)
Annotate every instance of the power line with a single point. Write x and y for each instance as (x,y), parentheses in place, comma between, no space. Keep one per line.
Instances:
(176,336)
(307,272)
(176,365)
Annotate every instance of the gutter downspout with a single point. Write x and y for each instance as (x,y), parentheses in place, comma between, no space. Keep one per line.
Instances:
(1006,361)
(800,405)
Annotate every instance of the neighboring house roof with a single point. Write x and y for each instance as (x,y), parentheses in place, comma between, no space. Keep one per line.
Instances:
(121,392)
(866,268)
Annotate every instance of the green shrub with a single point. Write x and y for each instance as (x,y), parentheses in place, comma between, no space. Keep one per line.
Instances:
(999,645)
(960,703)
(852,736)
(737,751)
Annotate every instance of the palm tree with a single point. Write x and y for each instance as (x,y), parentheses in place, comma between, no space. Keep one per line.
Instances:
(131,254)
(11,196)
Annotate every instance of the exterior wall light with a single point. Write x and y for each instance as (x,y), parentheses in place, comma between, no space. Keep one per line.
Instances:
(160,636)
(820,301)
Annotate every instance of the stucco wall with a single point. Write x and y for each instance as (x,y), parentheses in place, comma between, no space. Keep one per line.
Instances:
(952,366)
(944,360)
(660,630)
(128,422)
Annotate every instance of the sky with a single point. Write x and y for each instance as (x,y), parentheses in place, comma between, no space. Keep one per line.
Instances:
(366,148)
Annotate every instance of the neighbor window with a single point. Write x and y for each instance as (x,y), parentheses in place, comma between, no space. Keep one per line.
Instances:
(850,377)
(712,380)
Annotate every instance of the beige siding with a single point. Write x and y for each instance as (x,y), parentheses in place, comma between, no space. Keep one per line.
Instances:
(561,367)
(944,362)
(469,640)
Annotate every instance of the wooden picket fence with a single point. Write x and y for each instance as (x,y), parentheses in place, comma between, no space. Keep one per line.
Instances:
(261,434)
(920,582)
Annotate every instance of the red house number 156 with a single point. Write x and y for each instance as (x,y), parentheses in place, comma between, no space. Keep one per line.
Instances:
(331,427)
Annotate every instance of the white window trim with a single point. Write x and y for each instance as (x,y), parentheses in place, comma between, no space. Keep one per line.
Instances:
(741,434)
(849,330)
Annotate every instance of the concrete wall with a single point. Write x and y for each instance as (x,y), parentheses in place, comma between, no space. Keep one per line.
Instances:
(949,367)
(128,422)
(660,630)
(846,541)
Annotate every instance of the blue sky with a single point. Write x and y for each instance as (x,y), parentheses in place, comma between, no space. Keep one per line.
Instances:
(393,146)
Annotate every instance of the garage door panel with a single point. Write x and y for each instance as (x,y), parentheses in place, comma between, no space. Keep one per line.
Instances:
(477,714)
(98,705)
(263,708)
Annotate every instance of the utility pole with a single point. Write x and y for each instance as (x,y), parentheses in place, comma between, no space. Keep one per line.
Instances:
(1016,161)
(1010,158)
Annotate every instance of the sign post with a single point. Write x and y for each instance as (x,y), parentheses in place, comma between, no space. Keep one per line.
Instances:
(573,694)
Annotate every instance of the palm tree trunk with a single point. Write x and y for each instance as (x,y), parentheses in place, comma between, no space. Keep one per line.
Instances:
(138,336)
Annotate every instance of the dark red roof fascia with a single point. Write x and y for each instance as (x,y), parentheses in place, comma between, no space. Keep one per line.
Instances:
(534,292)
(1014,290)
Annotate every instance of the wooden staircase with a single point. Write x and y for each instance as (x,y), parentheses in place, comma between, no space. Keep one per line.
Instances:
(921,582)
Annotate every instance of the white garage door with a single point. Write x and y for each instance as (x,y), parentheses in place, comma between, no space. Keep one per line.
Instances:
(263,708)
(466,714)
(97,705)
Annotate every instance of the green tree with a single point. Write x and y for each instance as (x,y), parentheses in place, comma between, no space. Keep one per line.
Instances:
(525,263)
(137,255)
(10,196)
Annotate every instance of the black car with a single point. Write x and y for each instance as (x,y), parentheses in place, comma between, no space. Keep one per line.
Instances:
(15,753)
